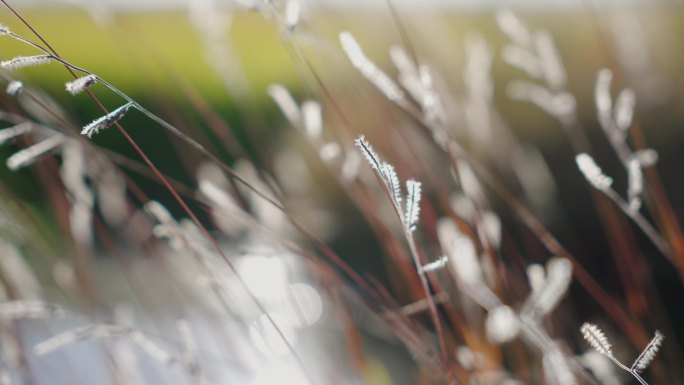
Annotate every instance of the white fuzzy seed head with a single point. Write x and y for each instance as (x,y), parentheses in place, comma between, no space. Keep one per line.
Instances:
(368,152)
(293,12)
(329,152)
(31,154)
(25,61)
(79,85)
(412,203)
(647,157)
(435,265)
(105,121)
(461,252)
(391,180)
(369,70)
(550,60)
(536,275)
(514,28)
(12,132)
(635,184)
(624,109)
(649,353)
(282,97)
(502,324)
(14,87)
(595,337)
(592,172)
(556,284)
(312,114)
(604,102)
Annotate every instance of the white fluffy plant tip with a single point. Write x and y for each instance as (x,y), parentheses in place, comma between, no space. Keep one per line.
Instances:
(282,97)
(559,105)
(635,183)
(523,60)
(595,337)
(647,157)
(29,155)
(227,214)
(105,121)
(536,276)
(514,28)
(369,70)
(436,265)
(624,109)
(14,88)
(293,13)
(408,76)
(469,183)
(412,203)
(391,181)
(404,63)
(592,172)
(648,354)
(461,252)
(313,119)
(12,132)
(25,61)
(329,152)
(558,278)
(79,85)
(604,102)
(502,325)
(463,206)
(550,60)
(158,211)
(368,152)
(491,227)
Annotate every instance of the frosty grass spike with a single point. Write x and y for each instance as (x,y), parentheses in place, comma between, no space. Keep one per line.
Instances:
(514,28)
(392,181)
(25,61)
(624,109)
(368,152)
(79,85)
(412,203)
(313,119)
(282,97)
(558,278)
(374,74)
(649,353)
(29,155)
(592,172)
(293,12)
(14,131)
(105,121)
(502,325)
(14,87)
(436,265)
(595,337)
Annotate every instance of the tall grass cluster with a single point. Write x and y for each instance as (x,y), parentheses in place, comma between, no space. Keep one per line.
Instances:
(390,225)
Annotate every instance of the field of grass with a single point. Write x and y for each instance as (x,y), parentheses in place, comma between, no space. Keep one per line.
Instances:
(235,239)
